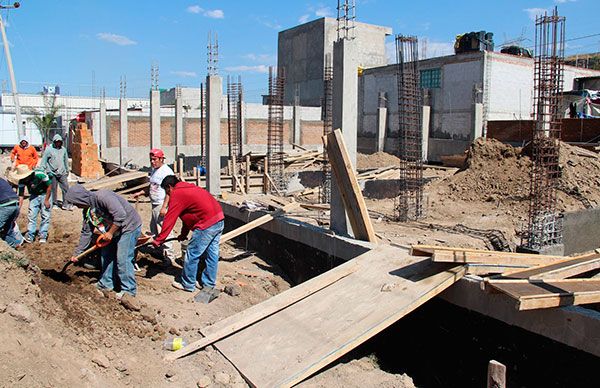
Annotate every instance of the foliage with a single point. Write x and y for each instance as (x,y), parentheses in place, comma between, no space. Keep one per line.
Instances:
(46,120)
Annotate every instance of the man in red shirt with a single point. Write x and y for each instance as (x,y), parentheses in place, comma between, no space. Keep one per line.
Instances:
(201,214)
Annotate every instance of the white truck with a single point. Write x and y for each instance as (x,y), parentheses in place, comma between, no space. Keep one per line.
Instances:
(9,135)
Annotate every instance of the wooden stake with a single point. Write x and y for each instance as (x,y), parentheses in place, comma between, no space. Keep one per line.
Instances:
(266,175)
(247,173)
(496,377)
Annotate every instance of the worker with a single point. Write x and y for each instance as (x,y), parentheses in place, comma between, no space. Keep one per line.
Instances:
(55,162)
(200,213)
(9,211)
(118,224)
(160,201)
(39,187)
(24,153)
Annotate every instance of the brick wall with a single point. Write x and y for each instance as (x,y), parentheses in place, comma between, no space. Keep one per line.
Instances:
(311,132)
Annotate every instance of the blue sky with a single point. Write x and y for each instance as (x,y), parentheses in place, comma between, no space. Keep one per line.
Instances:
(71,43)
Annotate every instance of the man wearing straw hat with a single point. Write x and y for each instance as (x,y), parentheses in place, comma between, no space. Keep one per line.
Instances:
(39,187)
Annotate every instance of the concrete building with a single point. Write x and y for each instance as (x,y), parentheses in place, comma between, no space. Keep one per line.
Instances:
(302,50)
(463,91)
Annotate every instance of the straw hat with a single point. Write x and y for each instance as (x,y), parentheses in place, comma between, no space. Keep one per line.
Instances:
(22,171)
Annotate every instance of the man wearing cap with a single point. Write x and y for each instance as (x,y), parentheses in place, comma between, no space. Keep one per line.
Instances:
(23,153)
(159,199)
(55,162)
(39,187)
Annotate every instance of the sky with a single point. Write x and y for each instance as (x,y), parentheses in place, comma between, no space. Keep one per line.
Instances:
(87,45)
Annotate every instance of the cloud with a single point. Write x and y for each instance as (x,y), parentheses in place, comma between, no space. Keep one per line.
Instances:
(268,23)
(260,57)
(564,1)
(185,74)
(116,39)
(303,19)
(249,69)
(323,12)
(209,13)
(534,12)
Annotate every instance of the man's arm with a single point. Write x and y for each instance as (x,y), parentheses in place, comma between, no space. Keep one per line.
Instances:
(66,160)
(165,206)
(21,192)
(48,195)
(13,154)
(175,210)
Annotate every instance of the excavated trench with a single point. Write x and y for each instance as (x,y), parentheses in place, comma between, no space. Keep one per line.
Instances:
(440,344)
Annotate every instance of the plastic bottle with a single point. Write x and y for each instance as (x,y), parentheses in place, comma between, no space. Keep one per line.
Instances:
(174,343)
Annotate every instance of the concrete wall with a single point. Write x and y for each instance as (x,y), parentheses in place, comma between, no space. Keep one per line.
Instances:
(301,51)
(580,231)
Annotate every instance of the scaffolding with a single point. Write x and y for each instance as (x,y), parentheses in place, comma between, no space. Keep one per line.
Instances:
(544,227)
(409,203)
(234,124)
(326,116)
(275,129)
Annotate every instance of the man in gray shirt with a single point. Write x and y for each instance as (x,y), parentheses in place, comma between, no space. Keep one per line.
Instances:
(55,163)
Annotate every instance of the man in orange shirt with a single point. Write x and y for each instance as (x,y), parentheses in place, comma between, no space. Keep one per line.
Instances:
(23,153)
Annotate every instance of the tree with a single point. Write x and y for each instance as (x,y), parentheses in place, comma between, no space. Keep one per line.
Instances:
(47,120)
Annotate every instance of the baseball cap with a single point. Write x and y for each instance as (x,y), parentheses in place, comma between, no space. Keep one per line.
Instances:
(157,152)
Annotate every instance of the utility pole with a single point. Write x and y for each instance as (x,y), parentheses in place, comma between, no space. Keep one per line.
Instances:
(11,72)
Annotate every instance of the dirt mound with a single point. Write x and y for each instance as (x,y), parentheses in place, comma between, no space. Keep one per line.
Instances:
(378,159)
(499,172)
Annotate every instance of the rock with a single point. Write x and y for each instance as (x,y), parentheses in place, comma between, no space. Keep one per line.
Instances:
(233,290)
(101,360)
(174,331)
(20,312)
(121,367)
(170,373)
(203,382)
(129,302)
(148,315)
(222,378)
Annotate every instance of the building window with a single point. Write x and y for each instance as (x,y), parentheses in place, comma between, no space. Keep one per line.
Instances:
(430,79)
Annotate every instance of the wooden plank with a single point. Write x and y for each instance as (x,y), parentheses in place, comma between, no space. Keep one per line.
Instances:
(256,223)
(496,377)
(262,310)
(560,270)
(349,188)
(574,299)
(134,188)
(427,250)
(115,181)
(488,269)
(490,257)
(285,348)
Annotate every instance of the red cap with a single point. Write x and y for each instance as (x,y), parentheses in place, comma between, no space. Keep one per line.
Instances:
(157,152)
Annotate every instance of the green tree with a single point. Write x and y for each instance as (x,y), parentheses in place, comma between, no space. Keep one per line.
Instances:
(46,120)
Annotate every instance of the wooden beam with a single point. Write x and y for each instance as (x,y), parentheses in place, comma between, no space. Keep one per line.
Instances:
(115,181)
(134,188)
(491,257)
(256,223)
(496,377)
(427,250)
(247,166)
(349,188)
(262,310)
(560,270)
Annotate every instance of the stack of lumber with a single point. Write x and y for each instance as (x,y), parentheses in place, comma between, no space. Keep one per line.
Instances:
(303,159)
(117,181)
(379,173)
(533,281)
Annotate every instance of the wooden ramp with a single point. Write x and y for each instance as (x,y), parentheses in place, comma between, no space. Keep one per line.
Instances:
(292,344)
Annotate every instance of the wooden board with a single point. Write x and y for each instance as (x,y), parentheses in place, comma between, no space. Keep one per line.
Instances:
(560,270)
(287,347)
(257,312)
(491,257)
(115,181)
(349,188)
(428,250)
(535,294)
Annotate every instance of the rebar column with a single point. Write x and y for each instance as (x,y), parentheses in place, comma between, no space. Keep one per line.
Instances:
(409,203)
(544,227)
(275,128)
(234,124)
(326,116)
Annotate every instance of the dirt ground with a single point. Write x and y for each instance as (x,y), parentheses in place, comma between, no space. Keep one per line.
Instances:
(62,332)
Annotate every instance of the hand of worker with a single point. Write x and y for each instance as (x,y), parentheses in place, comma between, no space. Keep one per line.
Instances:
(74,259)
(163,211)
(182,237)
(104,237)
(47,203)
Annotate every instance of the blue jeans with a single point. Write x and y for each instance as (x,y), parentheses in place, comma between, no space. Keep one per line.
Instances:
(117,261)
(8,216)
(36,204)
(206,240)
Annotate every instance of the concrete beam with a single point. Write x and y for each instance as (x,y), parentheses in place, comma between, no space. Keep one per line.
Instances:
(179,140)
(477,130)
(344,116)
(103,138)
(296,124)
(154,119)
(425,120)
(381,127)
(214,93)
(123,134)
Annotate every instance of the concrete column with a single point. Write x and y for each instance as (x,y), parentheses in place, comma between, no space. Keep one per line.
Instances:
(425,120)
(477,121)
(103,134)
(297,128)
(123,131)
(179,140)
(381,126)
(214,93)
(154,119)
(344,116)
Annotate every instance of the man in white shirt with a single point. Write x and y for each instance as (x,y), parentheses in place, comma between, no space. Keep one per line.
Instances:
(159,199)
